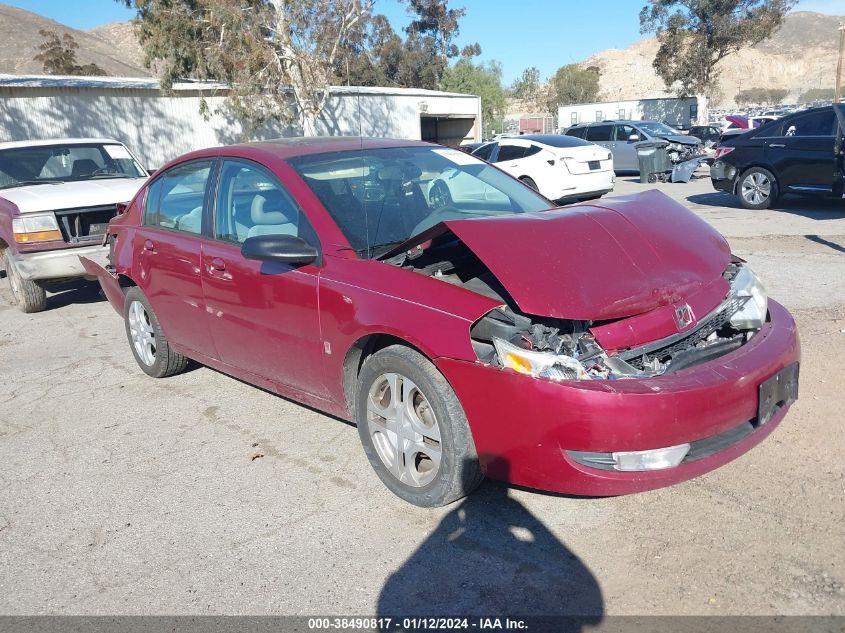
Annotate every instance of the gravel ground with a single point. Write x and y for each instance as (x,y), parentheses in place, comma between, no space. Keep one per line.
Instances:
(200,494)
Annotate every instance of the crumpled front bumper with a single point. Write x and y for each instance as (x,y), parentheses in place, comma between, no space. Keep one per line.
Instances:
(61,263)
(523,427)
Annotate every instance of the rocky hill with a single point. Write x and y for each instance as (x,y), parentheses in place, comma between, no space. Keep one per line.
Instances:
(800,56)
(113,47)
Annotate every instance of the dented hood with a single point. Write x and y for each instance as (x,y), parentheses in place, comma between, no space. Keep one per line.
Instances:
(624,256)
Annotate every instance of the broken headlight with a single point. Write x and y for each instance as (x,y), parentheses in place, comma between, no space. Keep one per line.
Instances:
(538,364)
(752,314)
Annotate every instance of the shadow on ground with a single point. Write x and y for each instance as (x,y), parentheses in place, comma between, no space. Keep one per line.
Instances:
(820,240)
(811,208)
(73,292)
(491,556)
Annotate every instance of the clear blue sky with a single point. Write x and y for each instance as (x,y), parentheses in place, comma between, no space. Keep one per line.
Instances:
(519,34)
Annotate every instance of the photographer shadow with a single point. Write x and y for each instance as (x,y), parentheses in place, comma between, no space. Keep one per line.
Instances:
(491,557)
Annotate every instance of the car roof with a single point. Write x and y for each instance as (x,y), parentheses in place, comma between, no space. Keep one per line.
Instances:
(552,140)
(302,146)
(57,141)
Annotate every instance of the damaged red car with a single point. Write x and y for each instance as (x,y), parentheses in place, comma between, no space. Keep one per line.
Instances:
(466,327)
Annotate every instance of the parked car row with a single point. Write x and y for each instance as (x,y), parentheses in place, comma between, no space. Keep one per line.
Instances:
(466,325)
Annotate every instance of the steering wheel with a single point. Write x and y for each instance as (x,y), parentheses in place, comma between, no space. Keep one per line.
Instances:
(103,171)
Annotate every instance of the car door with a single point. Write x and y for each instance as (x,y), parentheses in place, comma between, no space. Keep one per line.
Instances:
(603,135)
(263,315)
(167,253)
(624,148)
(800,150)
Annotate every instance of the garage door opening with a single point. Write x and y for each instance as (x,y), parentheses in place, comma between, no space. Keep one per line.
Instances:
(446,129)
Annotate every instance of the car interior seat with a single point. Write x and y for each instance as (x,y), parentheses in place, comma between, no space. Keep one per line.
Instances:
(83,167)
(268,218)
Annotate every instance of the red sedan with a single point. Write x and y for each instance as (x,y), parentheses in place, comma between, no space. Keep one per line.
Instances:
(467,328)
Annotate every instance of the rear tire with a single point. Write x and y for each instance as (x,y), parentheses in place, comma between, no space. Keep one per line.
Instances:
(29,296)
(530,182)
(757,189)
(414,430)
(149,346)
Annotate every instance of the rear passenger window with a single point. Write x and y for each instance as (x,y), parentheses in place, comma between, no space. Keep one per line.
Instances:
(599,133)
(576,131)
(534,149)
(510,152)
(175,198)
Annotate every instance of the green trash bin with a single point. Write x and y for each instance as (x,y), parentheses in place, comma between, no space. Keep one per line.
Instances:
(653,160)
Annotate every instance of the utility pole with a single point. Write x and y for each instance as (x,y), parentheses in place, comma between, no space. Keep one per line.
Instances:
(838,91)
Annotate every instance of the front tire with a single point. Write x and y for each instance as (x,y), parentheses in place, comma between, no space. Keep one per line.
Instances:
(757,189)
(29,296)
(149,346)
(414,430)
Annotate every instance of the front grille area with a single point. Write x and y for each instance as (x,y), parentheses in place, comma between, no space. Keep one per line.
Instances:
(667,348)
(86,224)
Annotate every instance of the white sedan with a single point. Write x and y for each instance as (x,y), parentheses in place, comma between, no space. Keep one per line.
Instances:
(562,168)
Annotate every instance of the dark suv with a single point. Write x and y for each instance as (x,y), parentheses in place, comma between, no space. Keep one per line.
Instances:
(798,154)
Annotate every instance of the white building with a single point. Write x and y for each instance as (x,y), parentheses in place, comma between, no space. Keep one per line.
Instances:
(673,112)
(158,128)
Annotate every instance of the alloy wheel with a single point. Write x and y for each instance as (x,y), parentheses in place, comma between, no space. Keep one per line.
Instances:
(756,188)
(404,429)
(142,333)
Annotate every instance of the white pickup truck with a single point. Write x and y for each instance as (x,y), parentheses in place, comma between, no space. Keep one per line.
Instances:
(56,200)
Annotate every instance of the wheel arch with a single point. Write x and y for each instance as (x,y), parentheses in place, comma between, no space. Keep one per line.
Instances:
(359,351)
(761,165)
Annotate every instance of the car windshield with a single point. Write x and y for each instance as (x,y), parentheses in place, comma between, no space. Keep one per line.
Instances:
(381,197)
(45,164)
(658,129)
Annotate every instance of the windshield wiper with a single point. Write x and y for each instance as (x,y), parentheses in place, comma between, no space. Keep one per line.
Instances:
(366,250)
(24,183)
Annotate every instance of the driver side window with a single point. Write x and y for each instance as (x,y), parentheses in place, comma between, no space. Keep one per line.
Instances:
(251,202)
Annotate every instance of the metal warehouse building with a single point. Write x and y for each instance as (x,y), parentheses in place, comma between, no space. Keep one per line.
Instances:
(676,112)
(158,127)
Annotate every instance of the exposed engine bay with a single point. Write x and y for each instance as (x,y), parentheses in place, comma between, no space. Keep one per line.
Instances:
(679,152)
(562,349)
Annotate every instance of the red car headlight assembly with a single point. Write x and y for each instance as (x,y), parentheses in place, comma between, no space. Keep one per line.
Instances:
(555,349)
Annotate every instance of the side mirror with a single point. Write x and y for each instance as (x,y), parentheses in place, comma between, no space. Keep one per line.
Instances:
(151,171)
(634,137)
(287,249)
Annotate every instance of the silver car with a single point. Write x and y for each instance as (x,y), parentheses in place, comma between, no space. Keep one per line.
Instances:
(623,137)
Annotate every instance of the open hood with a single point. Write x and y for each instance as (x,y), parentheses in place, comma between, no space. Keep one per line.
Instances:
(738,120)
(623,257)
(73,194)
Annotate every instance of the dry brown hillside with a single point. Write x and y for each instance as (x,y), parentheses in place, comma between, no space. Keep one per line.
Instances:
(19,40)
(801,55)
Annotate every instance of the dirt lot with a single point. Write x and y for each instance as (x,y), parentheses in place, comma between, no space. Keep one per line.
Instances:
(201,494)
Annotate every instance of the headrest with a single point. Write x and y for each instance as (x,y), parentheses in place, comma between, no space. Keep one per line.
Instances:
(83,167)
(261,216)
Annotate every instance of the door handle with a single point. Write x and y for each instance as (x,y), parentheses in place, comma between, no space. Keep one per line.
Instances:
(216,264)
(149,246)
(776,145)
